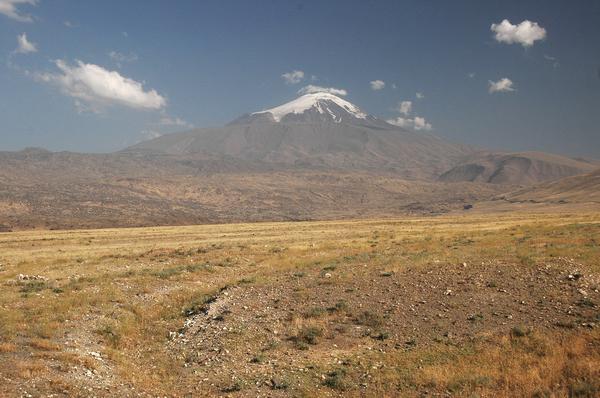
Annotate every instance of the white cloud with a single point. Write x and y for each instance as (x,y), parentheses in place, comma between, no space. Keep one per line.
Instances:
(400,121)
(526,33)
(420,95)
(24,45)
(10,9)
(174,121)
(121,58)
(147,135)
(311,89)
(94,87)
(293,77)
(502,85)
(421,124)
(404,107)
(418,123)
(377,85)
(471,75)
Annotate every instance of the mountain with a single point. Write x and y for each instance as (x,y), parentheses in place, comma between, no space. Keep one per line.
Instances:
(578,189)
(318,130)
(316,157)
(523,168)
(315,107)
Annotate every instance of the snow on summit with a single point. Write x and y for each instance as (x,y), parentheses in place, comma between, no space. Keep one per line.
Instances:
(321,102)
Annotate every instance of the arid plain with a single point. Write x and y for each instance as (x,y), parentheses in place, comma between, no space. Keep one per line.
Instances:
(501,304)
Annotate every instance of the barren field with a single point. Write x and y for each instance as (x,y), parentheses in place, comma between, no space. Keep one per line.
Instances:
(475,305)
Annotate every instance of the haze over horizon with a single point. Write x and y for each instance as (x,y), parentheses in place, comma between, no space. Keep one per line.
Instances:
(102,76)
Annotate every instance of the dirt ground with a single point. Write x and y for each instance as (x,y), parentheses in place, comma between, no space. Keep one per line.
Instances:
(478,305)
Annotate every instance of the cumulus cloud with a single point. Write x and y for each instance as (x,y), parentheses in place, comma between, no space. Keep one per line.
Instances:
(94,87)
(311,89)
(526,33)
(293,77)
(421,124)
(413,123)
(404,107)
(174,121)
(24,45)
(420,95)
(377,85)
(417,123)
(121,58)
(501,86)
(10,9)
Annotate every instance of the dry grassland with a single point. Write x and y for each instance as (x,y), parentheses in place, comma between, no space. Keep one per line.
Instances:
(476,305)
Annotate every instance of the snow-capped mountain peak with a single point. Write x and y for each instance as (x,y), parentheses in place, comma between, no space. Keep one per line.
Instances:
(323,105)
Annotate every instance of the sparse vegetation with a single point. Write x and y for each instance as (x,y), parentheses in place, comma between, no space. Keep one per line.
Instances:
(336,379)
(441,305)
(370,319)
(307,335)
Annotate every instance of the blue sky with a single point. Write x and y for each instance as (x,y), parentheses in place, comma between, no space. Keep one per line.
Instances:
(203,63)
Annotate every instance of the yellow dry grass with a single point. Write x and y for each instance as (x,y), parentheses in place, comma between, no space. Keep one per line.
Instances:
(121,291)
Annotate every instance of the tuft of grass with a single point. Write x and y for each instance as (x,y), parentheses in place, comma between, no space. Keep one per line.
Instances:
(370,319)
(167,273)
(234,387)
(7,348)
(380,335)
(258,358)
(279,384)
(199,305)
(586,302)
(34,287)
(247,281)
(336,379)
(314,312)
(338,307)
(44,345)
(519,331)
(110,335)
(526,259)
(307,335)
(584,389)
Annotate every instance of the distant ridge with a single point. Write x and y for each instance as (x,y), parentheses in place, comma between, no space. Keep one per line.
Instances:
(522,168)
(577,189)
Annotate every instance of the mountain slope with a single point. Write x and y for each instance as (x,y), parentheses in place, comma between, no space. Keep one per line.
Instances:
(69,190)
(317,130)
(522,168)
(578,189)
